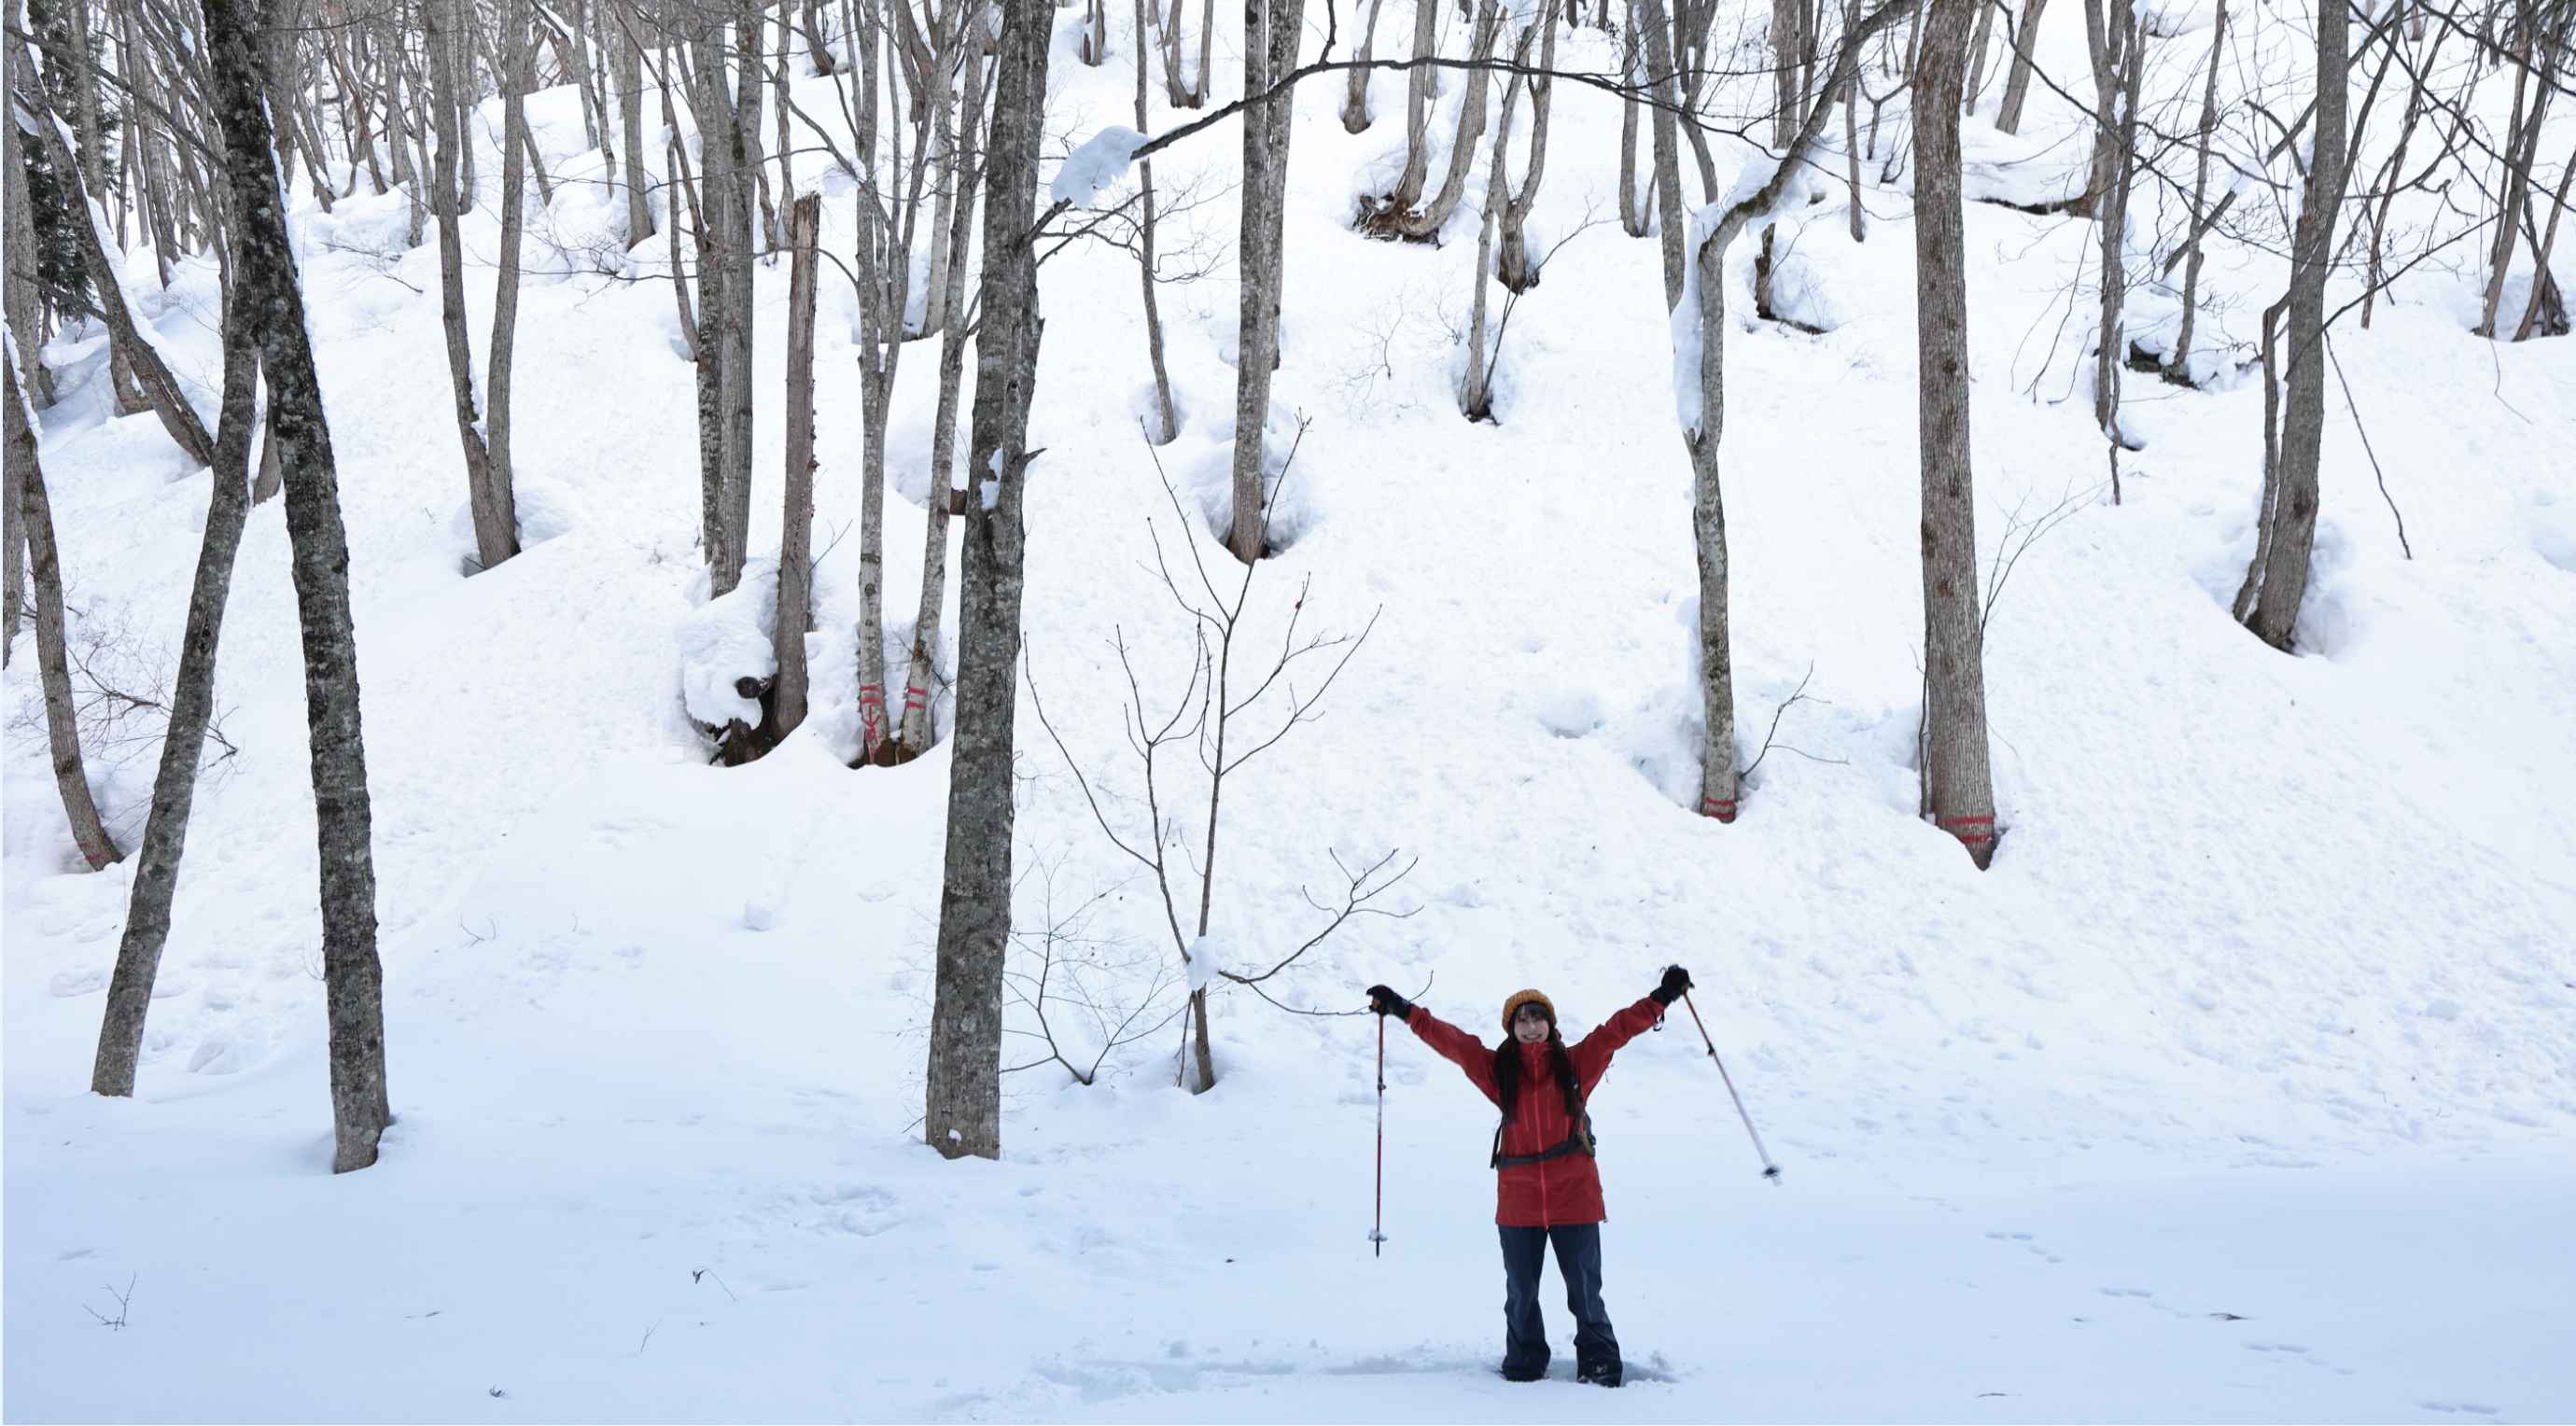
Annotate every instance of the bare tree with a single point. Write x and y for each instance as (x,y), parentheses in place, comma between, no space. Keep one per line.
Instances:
(489,493)
(192,706)
(36,521)
(2276,580)
(265,272)
(1697,296)
(1206,717)
(963,1094)
(1957,782)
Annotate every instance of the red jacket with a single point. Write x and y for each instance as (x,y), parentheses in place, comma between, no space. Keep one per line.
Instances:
(1565,1189)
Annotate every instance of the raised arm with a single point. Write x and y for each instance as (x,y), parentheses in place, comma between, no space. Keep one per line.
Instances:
(1455,1045)
(1591,1054)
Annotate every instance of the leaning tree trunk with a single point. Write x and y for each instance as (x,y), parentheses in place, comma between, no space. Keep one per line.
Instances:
(174,788)
(1958,783)
(2024,38)
(160,386)
(795,613)
(353,978)
(2278,580)
(1271,32)
(963,1098)
(1424,224)
(62,724)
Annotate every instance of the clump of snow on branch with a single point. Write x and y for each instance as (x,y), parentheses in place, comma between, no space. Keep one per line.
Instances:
(1101,161)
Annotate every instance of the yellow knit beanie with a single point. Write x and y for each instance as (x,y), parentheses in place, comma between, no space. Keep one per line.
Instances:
(1520,998)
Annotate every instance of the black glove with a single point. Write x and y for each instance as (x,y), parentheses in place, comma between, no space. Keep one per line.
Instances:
(1676,980)
(1387,1002)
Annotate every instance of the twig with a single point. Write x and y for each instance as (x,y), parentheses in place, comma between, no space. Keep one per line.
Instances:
(2364,433)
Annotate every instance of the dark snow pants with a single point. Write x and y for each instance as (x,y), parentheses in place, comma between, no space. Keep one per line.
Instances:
(1578,1261)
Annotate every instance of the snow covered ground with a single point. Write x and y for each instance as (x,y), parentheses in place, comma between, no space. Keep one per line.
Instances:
(2242,1087)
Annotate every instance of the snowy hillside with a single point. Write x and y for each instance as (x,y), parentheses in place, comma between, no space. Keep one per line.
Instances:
(2242,1086)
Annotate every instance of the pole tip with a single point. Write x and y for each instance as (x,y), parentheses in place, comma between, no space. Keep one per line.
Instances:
(1771,1172)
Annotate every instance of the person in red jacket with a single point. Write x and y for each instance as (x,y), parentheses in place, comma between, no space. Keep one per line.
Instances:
(1546,1186)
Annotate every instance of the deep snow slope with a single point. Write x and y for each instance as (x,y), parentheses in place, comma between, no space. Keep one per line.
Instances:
(2242,1087)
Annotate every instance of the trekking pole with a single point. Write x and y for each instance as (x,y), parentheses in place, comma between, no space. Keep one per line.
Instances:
(1377,1222)
(1770,1170)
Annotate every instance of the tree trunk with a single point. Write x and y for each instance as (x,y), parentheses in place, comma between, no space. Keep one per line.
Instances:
(921,668)
(1476,397)
(1667,146)
(630,113)
(2278,581)
(62,726)
(2522,139)
(963,1099)
(795,614)
(174,789)
(1788,19)
(2117,143)
(2546,300)
(353,977)
(884,268)
(1512,265)
(1417,108)
(497,533)
(1272,29)
(2025,42)
(1636,212)
(1424,224)
(2178,363)
(1355,106)
(487,497)
(1166,416)
(1956,777)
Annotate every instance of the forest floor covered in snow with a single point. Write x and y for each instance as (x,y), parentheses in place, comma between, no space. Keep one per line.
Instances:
(2242,1087)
